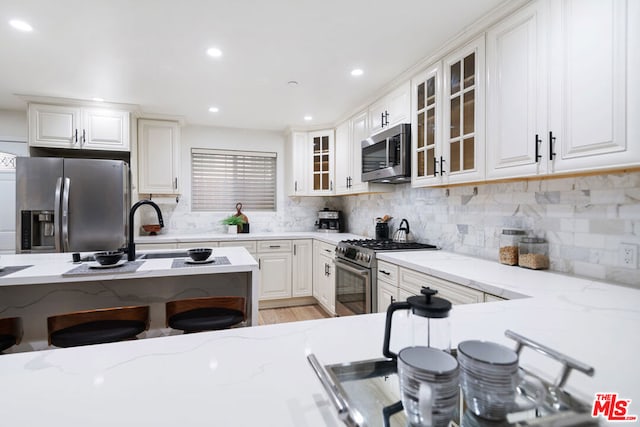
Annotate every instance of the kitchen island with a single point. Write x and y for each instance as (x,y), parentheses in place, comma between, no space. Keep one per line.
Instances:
(260,375)
(52,284)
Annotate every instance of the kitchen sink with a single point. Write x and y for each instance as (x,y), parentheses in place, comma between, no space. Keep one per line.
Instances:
(156,255)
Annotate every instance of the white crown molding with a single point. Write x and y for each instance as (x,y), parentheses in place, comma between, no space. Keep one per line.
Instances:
(469,33)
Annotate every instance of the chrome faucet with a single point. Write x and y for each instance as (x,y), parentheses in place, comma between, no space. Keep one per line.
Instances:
(131,247)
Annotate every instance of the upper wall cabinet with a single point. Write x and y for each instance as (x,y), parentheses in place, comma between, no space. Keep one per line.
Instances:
(464,114)
(558,89)
(158,156)
(72,127)
(392,109)
(310,159)
(348,173)
(426,128)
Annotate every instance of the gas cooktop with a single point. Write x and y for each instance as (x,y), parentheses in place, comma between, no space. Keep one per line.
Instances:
(386,245)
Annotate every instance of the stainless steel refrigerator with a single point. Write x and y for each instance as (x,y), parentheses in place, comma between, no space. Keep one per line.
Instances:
(71,205)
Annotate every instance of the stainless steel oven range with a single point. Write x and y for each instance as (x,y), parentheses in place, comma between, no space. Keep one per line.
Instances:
(356,267)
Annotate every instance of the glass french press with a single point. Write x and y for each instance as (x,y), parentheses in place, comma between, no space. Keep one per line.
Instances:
(429,319)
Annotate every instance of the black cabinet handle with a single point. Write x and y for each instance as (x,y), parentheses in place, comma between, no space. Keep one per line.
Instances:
(538,141)
(295,186)
(435,167)
(552,140)
(441,165)
(381,119)
(75,137)
(384,272)
(84,136)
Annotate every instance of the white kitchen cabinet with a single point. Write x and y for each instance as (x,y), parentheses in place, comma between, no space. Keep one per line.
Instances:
(344,151)
(557,89)
(149,246)
(492,298)
(250,245)
(516,94)
(387,295)
(427,145)
(322,154)
(310,159)
(158,156)
(324,287)
(74,127)
(297,154)
(588,86)
(390,110)
(387,285)
(274,263)
(190,245)
(348,165)
(412,282)
(302,268)
(464,114)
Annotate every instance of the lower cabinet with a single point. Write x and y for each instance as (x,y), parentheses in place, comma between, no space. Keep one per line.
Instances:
(396,283)
(275,275)
(302,268)
(412,282)
(388,291)
(324,286)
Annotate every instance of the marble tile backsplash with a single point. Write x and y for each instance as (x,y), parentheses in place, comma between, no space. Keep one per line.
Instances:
(584,219)
(293,214)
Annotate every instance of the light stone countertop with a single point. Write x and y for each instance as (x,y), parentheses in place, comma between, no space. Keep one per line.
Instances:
(50,268)
(260,375)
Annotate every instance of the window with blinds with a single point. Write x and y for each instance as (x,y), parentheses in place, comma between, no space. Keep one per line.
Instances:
(220,179)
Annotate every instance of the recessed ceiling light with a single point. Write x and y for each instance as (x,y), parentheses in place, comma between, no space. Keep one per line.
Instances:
(98,99)
(308,118)
(292,83)
(213,109)
(215,52)
(357,72)
(20,25)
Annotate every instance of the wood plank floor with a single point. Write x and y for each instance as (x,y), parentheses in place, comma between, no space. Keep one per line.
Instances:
(270,316)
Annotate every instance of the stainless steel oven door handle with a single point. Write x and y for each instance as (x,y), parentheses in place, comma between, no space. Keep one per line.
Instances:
(345,266)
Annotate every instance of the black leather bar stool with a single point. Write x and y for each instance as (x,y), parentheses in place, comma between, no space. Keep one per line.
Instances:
(10,332)
(97,326)
(206,313)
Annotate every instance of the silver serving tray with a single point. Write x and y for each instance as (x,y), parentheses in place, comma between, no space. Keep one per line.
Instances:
(367,393)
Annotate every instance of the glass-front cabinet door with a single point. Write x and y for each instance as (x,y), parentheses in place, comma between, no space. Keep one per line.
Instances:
(427,159)
(464,113)
(322,152)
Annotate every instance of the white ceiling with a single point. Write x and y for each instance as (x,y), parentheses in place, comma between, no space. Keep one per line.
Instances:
(152,53)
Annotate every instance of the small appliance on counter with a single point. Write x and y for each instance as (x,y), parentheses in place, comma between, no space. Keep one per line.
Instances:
(329,221)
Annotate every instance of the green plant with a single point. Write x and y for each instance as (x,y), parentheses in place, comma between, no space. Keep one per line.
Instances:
(233,220)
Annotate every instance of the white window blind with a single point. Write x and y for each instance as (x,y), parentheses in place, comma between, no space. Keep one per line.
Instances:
(221,178)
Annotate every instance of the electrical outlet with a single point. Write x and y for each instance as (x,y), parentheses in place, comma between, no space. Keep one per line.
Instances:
(629,255)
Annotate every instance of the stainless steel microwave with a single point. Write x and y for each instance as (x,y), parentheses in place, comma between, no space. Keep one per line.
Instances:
(386,156)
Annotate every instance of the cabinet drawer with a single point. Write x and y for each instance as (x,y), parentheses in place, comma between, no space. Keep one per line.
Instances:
(275,246)
(412,281)
(491,298)
(148,246)
(189,245)
(388,273)
(325,248)
(250,245)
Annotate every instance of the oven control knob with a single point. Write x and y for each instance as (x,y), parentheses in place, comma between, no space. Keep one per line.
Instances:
(368,258)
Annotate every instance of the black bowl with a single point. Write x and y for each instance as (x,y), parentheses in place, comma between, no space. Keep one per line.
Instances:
(199,254)
(107,258)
